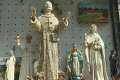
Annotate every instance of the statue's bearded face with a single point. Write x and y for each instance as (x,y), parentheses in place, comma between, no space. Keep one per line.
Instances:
(48,6)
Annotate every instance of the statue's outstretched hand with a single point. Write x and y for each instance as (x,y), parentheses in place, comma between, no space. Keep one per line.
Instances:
(33,14)
(65,19)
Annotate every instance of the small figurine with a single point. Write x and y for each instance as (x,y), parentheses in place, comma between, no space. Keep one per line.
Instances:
(10,66)
(75,64)
(113,63)
(18,40)
(25,69)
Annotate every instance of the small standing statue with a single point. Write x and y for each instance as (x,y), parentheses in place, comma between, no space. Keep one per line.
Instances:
(10,66)
(48,25)
(26,61)
(75,64)
(95,54)
(113,63)
(18,40)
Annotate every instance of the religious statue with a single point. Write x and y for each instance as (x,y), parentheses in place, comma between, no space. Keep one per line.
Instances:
(18,40)
(75,64)
(26,61)
(10,66)
(113,63)
(49,26)
(95,54)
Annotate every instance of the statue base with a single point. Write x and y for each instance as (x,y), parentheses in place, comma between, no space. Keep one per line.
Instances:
(75,78)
